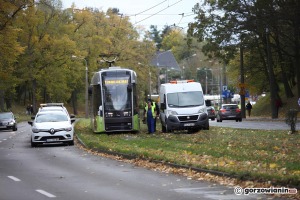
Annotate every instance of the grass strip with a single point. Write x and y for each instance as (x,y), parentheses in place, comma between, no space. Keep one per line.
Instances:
(264,155)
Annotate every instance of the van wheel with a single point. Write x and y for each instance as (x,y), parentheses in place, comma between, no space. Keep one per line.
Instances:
(206,126)
(167,129)
(163,128)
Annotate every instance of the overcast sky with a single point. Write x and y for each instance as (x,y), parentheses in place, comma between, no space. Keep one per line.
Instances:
(146,12)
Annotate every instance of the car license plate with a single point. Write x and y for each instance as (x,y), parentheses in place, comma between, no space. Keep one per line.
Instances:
(189,124)
(52,140)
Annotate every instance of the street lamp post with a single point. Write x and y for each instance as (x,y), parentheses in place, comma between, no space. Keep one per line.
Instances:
(187,59)
(86,86)
(150,92)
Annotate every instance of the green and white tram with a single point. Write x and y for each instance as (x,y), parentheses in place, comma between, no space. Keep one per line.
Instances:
(114,101)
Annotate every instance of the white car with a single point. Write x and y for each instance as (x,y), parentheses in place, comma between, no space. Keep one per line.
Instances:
(52,127)
(52,107)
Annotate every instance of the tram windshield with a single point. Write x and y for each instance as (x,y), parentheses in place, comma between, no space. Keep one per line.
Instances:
(117,96)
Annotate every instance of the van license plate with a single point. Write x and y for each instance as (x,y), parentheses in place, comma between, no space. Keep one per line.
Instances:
(189,124)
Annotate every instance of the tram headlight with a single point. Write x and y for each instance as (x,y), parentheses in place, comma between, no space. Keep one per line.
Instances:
(127,113)
(109,114)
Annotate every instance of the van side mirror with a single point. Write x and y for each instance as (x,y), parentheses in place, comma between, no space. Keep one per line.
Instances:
(208,103)
(162,106)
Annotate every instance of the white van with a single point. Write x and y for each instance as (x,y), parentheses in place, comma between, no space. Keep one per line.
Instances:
(182,106)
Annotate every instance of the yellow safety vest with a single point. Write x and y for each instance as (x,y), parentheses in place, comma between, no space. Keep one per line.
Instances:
(152,108)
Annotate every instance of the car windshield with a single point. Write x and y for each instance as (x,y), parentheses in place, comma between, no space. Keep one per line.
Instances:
(50,109)
(6,116)
(185,99)
(51,117)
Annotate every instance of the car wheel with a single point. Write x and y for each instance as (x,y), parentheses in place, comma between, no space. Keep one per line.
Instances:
(33,144)
(71,143)
(15,128)
(237,120)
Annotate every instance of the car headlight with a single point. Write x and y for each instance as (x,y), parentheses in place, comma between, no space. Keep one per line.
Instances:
(11,123)
(68,129)
(172,112)
(35,130)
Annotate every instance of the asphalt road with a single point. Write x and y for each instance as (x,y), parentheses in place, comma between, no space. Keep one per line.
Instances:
(255,123)
(69,173)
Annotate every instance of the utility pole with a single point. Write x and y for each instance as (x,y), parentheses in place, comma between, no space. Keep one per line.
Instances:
(242,81)
(86,96)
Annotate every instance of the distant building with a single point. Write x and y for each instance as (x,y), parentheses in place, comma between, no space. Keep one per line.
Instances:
(165,59)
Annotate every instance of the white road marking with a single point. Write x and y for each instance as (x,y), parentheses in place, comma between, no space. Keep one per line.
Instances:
(13,178)
(46,193)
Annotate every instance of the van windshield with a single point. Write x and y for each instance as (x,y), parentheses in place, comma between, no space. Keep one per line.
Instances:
(185,99)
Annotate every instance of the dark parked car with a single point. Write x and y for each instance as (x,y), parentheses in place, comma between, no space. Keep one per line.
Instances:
(211,113)
(8,121)
(210,109)
(229,112)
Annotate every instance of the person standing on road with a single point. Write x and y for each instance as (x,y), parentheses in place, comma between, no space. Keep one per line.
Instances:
(249,108)
(28,110)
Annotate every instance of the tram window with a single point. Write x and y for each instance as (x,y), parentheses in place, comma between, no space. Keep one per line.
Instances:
(96,98)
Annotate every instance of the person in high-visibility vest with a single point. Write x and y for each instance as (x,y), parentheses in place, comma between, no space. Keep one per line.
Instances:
(150,112)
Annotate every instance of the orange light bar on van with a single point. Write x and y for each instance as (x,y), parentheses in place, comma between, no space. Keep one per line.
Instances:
(182,81)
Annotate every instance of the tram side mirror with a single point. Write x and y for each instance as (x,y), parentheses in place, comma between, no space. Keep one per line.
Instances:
(129,88)
(90,90)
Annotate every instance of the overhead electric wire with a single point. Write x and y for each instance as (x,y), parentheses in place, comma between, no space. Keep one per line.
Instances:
(151,8)
(158,12)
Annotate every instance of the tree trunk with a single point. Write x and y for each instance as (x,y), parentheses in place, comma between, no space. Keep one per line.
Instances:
(34,101)
(297,60)
(272,80)
(8,102)
(1,100)
(287,88)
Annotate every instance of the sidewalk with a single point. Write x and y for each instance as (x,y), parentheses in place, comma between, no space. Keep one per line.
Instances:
(254,118)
